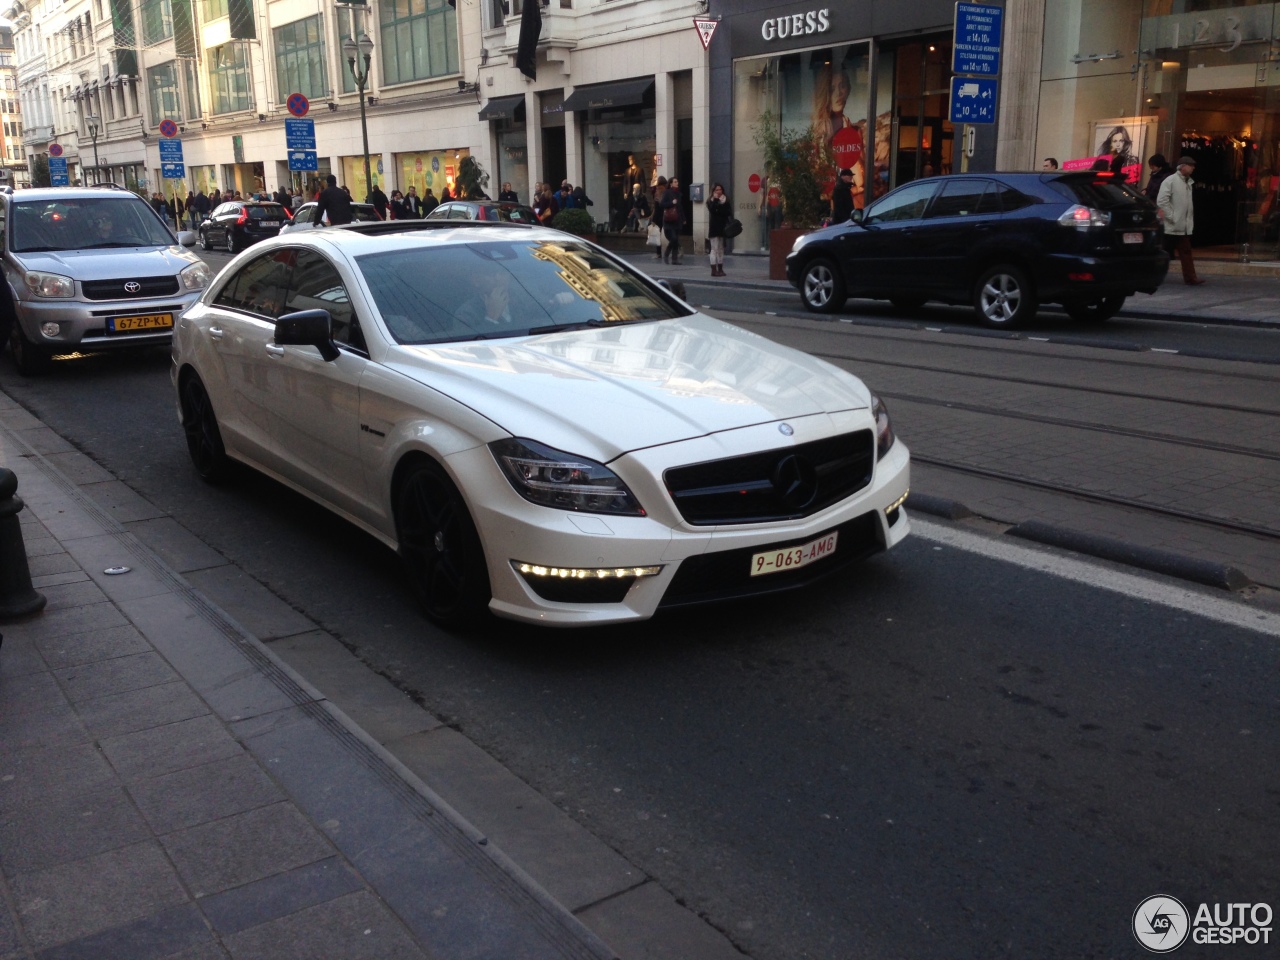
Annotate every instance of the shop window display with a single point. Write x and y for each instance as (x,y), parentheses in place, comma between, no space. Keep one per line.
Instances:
(618,149)
(827,89)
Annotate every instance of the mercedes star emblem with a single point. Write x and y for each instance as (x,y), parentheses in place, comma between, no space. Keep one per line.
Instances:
(795,481)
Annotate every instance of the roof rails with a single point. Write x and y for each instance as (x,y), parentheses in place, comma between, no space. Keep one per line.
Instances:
(379,227)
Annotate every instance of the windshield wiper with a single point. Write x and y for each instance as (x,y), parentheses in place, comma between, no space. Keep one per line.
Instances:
(37,249)
(112,243)
(577,325)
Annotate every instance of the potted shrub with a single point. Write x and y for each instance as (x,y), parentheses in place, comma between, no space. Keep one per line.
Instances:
(472,178)
(576,221)
(797,164)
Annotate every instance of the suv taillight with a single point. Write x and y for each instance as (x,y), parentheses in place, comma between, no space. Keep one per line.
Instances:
(1084,217)
(243,218)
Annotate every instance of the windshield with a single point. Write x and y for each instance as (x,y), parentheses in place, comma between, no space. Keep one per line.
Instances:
(431,294)
(85,224)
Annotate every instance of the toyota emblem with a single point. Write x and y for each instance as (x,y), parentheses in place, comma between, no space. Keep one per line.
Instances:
(133,286)
(785,429)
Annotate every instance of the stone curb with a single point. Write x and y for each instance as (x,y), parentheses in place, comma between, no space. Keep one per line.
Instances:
(1220,575)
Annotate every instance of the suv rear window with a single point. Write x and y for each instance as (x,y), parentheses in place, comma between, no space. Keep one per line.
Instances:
(266,211)
(1099,194)
(83,223)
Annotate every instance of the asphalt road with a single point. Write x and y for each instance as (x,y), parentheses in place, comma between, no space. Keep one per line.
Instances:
(933,755)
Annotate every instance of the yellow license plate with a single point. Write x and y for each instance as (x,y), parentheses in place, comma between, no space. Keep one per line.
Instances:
(775,561)
(154,321)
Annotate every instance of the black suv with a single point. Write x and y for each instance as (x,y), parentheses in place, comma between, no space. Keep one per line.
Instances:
(234,225)
(1004,242)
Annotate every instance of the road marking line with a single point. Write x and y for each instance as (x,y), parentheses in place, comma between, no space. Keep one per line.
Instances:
(1039,339)
(1221,609)
(1162,350)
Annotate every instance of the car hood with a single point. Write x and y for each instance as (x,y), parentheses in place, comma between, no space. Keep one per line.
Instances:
(605,391)
(110,264)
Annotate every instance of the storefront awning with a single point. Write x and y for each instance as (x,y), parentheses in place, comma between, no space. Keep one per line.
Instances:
(503,108)
(623,93)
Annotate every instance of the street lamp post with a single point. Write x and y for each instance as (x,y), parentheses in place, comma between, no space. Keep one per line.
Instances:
(363,47)
(92,121)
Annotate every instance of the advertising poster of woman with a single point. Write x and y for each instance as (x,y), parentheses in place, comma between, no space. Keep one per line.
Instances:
(1123,142)
(845,138)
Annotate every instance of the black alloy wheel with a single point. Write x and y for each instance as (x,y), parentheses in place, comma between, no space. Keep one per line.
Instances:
(1095,311)
(204,439)
(441,549)
(204,240)
(1004,298)
(229,244)
(30,359)
(822,286)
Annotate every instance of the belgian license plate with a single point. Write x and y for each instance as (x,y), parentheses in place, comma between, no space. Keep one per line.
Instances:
(271,223)
(775,561)
(1133,238)
(154,321)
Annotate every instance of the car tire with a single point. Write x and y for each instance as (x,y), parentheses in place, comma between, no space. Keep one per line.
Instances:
(230,243)
(1095,311)
(822,286)
(30,359)
(204,438)
(204,241)
(1003,297)
(440,548)
(908,304)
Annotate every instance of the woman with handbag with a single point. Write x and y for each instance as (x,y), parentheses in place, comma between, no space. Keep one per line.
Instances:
(672,221)
(719,211)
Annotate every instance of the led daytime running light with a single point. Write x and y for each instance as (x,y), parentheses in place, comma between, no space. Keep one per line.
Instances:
(897,503)
(584,573)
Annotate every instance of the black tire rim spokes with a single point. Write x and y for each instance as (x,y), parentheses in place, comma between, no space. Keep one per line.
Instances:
(200,427)
(434,544)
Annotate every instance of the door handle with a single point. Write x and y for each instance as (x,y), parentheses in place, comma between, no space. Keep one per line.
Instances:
(215,333)
(274,351)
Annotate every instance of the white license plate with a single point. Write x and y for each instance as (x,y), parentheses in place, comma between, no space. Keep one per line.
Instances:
(276,223)
(775,561)
(1133,238)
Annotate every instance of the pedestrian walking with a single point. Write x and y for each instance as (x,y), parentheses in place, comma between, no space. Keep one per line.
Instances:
(1050,164)
(333,201)
(507,194)
(672,220)
(544,208)
(655,218)
(413,203)
(719,210)
(639,209)
(580,199)
(398,209)
(1160,172)
(379,201)
(842,198)
(429,201)
(1177,206)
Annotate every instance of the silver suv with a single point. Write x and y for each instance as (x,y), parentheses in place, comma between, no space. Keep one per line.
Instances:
(90,269)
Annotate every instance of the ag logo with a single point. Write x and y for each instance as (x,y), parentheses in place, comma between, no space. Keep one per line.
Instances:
(1161,924)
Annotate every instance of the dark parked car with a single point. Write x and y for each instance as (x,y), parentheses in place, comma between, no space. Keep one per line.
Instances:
(1004,242)
(237,224)
(483,210)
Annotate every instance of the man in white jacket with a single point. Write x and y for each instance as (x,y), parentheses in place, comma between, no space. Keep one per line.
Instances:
(1177,206)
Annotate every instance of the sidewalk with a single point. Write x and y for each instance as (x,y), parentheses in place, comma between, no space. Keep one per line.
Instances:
(170,787)
(1225,298)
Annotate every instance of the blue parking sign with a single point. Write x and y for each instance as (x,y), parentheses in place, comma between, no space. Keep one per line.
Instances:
(973,100)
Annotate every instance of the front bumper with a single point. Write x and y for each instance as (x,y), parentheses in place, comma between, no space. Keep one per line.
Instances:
(83,323)
(714,560)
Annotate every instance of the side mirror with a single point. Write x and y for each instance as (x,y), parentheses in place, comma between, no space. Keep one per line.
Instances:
(676,287)
(187,238)
(307,328)
(855,217)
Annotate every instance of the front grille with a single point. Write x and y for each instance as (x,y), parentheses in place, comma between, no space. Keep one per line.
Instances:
(727,575)
(114,289)
(783,484)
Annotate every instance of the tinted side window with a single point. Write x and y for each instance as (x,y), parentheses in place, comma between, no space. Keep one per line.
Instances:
(905,203)
(459,212)
(317,286)
(1007,198)
(260,287)
(961,198)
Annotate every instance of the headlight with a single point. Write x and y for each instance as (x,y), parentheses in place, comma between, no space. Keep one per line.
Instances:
(553,478)
(801,241)
(196,276)
(51,285)
(884,429)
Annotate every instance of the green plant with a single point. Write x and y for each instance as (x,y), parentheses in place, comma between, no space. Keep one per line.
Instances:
(39,168)
(797,164)
(471,179)
(575,221)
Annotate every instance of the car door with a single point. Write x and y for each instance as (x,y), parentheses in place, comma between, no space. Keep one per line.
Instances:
(241,327)
(961,222)
(316,410)
(879,255)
